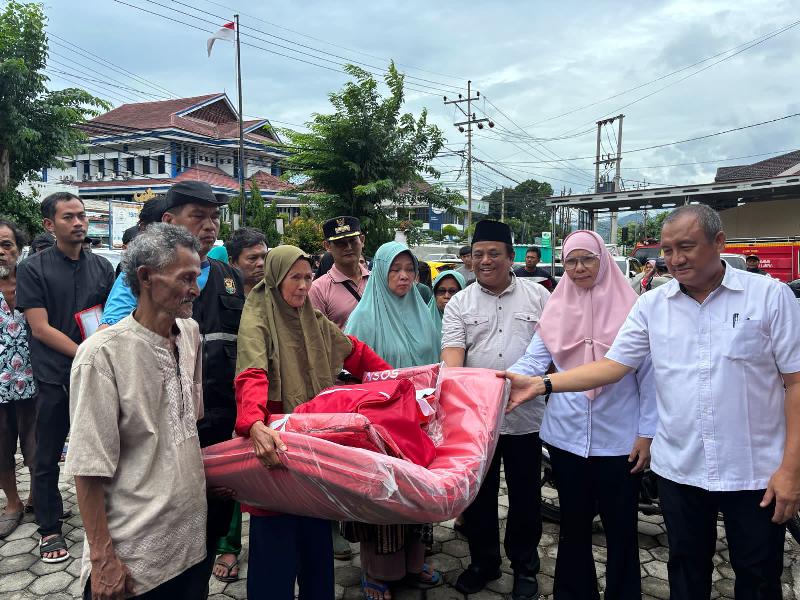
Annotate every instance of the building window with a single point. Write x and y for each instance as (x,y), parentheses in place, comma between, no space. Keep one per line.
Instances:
(115,163)
(130,165)
(145,165)
(86,167)
(101,167)
(185,157)
(193,157)
(162,164)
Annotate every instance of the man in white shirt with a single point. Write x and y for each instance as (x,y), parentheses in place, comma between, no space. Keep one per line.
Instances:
(727,369)
(135,397)
(490,324)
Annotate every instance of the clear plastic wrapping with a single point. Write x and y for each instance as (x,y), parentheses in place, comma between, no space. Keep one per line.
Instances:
(329,480)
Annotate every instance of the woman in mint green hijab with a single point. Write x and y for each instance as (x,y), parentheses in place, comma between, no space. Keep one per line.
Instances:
(392,317)
(446,285)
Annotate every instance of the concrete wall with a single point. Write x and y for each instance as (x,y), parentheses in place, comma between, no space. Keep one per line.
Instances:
(763,219)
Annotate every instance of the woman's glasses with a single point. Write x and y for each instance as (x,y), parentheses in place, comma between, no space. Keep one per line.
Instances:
(440,291)
(588,262)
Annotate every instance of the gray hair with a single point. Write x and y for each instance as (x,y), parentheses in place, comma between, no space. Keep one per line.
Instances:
(155,247)
(706,216)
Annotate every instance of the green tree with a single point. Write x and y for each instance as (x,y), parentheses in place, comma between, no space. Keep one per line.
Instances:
(639,230)
(36,125)
(305,233)
(258,214)
(451,231)
(364,153)
(525,204)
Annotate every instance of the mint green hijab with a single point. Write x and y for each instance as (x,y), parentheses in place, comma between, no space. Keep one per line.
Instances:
(399,329)
(436,314)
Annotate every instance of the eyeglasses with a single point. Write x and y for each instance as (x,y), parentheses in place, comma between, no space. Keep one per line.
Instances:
(440,291)
(589,261)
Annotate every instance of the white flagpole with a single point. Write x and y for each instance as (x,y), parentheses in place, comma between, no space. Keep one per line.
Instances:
(241,125)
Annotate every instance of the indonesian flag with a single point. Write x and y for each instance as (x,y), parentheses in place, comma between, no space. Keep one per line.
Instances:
(226,32)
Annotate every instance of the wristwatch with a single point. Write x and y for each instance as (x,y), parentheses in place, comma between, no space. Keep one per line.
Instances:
(548,385)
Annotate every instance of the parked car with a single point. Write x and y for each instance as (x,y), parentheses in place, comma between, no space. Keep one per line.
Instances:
(110,254)
(441,257)
(737,261)
(628,265)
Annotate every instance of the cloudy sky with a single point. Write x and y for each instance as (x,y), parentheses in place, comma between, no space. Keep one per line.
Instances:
(547,71)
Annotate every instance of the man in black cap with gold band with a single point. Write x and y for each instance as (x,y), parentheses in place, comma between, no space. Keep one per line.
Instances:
(218,310)
(336,293)
(490,324)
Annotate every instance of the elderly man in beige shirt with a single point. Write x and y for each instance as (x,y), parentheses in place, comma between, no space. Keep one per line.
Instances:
(135,398)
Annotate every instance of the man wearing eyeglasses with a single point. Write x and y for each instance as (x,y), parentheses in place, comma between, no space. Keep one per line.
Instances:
(489,325)
(336,293)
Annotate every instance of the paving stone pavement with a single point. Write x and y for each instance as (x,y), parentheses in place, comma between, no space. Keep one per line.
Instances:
(23,576)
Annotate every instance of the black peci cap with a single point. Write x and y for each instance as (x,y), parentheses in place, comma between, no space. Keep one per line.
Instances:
(129,234)
(492,231)
(752,257)
(152,210)
(192,192)
(341,227)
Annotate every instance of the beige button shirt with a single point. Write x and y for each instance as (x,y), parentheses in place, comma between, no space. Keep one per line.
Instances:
(494,330)
(134,412)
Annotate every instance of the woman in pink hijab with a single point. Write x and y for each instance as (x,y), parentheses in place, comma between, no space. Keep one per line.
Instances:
(599,440)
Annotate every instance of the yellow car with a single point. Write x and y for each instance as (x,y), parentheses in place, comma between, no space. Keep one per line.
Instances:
(437,266)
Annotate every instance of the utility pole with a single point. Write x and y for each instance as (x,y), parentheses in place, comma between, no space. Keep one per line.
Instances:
(503,204)
(617,160)
(471,120)
(617,181)
(608,160)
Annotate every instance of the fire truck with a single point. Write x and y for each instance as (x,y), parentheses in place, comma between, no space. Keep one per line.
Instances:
(776,256)
(779,256)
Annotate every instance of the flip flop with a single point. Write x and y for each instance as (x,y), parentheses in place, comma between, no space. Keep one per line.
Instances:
(416,579)
(53,544)
(373,585)
(230,567)
(9,522)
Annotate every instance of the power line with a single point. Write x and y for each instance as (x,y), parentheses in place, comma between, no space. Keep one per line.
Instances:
(661,89)
(316,39)
(78,50)
(449,89)
(252,45)
(744,46)
(572,168)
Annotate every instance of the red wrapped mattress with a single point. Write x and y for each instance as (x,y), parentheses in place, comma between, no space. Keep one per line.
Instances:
(325,479)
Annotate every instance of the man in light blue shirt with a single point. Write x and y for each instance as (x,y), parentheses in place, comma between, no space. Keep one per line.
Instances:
(727,369)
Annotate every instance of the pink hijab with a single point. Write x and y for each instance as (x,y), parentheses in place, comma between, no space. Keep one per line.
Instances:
(579,325)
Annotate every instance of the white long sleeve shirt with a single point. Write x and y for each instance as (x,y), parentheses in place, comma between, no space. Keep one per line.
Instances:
(718,366)
(605,426)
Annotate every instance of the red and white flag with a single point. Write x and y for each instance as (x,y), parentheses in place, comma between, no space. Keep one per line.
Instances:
(226,32)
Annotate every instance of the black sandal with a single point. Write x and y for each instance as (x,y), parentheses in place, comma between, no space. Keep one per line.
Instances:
(53,544)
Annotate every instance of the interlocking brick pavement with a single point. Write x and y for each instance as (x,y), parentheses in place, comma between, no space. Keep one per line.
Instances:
(23,576)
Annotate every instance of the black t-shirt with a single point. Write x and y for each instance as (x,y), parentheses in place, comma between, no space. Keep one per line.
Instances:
(64,287)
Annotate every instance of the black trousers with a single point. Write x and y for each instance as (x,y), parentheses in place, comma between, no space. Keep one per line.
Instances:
(192,584)
(587,486)
(755,543)
(285,549)
(52,427)
(522,458)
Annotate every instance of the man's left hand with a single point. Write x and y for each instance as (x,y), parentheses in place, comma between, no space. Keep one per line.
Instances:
(641,454)
(784,489)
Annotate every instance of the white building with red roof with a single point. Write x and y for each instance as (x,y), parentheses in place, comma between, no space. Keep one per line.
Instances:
(137,150)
